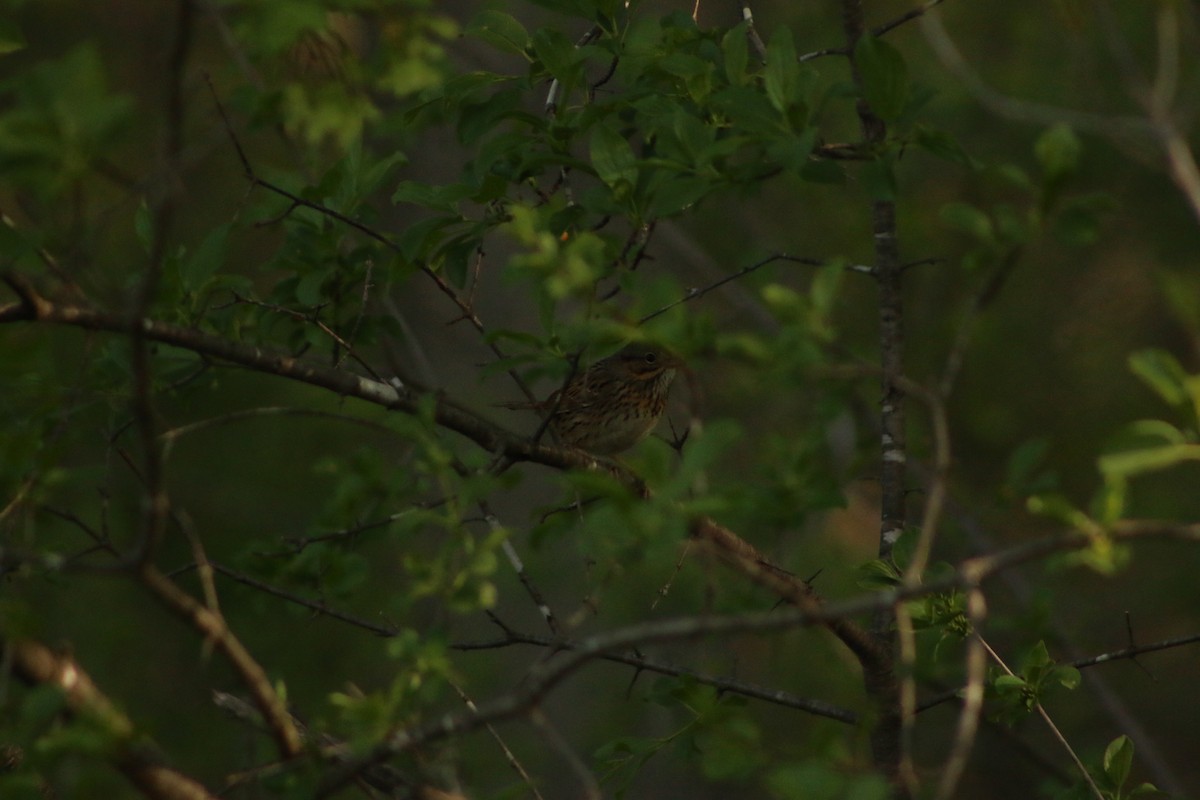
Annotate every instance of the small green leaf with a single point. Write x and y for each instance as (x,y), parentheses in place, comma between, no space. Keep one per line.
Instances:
(1024,474)
(1163,373)
(1068,677)
(969,219)
(440,198)
(500,30)
(11,38)
(1036,658)
(737,54)
(556,52)
(884,77)
(878,574)
(612,157)
(1058,150)
(1118,760)
(208,257)
(1147,459)
(783,70)
(1009,683)
(879,179)
(942,145)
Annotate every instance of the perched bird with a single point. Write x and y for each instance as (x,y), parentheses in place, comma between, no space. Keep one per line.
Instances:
(613,404)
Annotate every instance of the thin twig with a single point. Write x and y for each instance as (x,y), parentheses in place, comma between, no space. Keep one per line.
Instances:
(518,566)
(591,788)
(1087,776)
(642,663)
(512,760)
(693,294)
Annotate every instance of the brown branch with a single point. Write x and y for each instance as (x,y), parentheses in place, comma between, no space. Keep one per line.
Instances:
(158,507)
(491,437)
(37,665)
(731,548)
(743,557)
(214,629)
(878,677)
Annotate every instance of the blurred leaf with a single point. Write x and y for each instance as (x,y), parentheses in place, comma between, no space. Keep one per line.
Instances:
(878,574)
(884,77)
(1163,373)
(1182,291)
(1023,477)
(1058,151)
(1147,445)
(821,780)
(198,267)
(879,179)
(942,145)
(969,219)
(11,38)
(782,75)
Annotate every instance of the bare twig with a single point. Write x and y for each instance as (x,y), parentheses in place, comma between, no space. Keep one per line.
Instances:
(590,787)
(644,663)
(509,756)
(693,294)
(518,566)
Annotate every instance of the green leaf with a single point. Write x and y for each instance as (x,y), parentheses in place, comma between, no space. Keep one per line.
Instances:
(1022,476)
(1035,659)
(783,70)
(737,54)
(500,30)
(209,256)
(879,179)
(885,82)
(1058,150)
(1010,683)
(11,38)
(1118,760)
(555,52)
(969,219)
(1147,459)
(440,198)
(1068,677)
(612,157)
(1163,373)
(942,145)
(1182,292)
(878,574)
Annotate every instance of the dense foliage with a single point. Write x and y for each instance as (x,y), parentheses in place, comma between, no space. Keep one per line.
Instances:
(271,270)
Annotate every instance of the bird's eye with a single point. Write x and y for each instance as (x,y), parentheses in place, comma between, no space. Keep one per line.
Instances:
(651,358)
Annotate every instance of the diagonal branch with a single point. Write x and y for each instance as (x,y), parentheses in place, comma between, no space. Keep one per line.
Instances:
(37,665)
